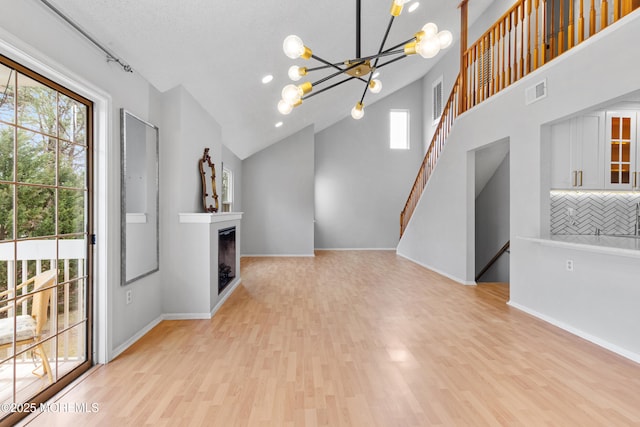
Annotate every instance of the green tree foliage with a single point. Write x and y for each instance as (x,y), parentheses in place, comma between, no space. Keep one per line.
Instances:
(51,131)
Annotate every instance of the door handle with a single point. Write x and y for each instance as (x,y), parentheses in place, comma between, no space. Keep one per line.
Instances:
(575,178)
(580,175)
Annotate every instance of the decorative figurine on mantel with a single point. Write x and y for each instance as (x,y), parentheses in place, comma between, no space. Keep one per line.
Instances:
(208,174)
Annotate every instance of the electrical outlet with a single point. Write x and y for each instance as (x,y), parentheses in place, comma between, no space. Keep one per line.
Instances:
(569,265)
(128,297)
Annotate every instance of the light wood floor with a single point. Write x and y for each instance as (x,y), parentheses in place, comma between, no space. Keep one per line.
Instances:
(358,339)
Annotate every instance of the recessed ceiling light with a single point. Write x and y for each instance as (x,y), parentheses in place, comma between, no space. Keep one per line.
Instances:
(266,79)
(279,124)
(413,7)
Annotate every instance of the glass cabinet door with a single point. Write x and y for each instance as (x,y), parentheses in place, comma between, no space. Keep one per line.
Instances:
(621,150)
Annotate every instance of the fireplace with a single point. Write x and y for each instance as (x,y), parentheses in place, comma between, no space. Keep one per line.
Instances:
(226,257)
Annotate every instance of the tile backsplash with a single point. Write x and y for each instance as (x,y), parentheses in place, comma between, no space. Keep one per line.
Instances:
(581,212)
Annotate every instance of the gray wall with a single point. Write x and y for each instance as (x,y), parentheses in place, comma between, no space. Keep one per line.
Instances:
(361,184)
(277,198)
(188,130)
(441,232)
(234,164)
(492,224)
(33,30)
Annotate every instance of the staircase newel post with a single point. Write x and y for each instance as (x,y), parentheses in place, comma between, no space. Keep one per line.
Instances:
(464,25)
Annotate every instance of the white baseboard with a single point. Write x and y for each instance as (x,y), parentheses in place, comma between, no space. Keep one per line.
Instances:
(175,316)
(355,249)
(442,273)
(584,335)
(187,316)
(228,292)
(276,255)
(128,343)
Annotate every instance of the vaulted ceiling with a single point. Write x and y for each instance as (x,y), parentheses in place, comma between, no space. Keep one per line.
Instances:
(220,50)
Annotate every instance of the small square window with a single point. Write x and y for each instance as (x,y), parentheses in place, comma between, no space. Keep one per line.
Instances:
(399,129)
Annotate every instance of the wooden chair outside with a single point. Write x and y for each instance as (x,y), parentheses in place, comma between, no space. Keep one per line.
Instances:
(29,326)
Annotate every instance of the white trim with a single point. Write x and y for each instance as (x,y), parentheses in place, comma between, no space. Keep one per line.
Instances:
(208,218)
(200,316)
(589,243)
(172,316)
(186,316)
(136,218)
(276,255)
(142,332)
(355,249)
(584,335)
(435,270)
(29,57)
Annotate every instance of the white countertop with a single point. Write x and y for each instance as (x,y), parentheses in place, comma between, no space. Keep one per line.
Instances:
(616,245)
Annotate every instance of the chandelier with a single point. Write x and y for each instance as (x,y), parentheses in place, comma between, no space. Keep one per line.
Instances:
(427,43)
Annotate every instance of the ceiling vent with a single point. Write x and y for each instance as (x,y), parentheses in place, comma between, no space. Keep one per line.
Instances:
(536,92)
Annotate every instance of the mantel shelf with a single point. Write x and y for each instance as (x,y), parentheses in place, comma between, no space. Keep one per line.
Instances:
(209,218)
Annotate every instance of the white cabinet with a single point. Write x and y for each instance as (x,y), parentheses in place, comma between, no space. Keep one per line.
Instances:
(577,153)
(621,153)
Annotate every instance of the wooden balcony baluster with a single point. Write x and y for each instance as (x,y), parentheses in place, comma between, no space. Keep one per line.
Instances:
(505,54)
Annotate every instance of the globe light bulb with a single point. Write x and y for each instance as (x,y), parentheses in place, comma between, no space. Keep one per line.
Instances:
(293,46)
(430,30)
(284,107)
(428,47)
(445,37)
(375,86)
(357,112)
(291,94)
(294,73)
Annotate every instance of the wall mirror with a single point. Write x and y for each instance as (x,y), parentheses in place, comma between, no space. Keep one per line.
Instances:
(140,249)
(208,175)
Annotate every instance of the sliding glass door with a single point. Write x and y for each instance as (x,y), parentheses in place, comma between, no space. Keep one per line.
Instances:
(45,235)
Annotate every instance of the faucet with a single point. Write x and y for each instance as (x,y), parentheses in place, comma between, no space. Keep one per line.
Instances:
(598,231)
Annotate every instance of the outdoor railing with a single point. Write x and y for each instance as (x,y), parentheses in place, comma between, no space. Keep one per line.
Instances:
(35,256)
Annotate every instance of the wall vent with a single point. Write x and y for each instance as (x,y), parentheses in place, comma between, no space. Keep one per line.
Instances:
(535,92)
(437,100)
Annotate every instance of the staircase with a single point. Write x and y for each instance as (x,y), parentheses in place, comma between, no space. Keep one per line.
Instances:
(530,34)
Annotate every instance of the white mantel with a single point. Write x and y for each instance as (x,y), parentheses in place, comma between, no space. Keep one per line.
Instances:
(196,255)
(208,218)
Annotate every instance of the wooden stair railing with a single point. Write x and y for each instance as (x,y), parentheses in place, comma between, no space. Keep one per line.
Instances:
(525,38)
(493,260)
(449,114)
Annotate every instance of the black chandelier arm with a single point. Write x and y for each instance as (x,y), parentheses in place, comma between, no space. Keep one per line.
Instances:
(329,66)
(366,88)
(324,67)
(358,18)
(330,76)
(384,39)
(379,55)
(391,61)
(309,95)
(412,39)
